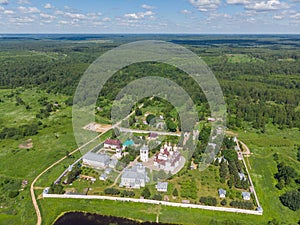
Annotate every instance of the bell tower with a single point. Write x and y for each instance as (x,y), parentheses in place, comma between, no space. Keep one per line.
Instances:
(144,153)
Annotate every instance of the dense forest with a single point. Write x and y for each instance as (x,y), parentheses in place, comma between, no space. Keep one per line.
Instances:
(260,83)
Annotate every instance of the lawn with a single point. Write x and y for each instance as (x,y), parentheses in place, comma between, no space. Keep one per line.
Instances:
(263,167)
(51,144)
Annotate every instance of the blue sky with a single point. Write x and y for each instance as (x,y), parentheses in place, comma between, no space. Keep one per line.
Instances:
(150,16)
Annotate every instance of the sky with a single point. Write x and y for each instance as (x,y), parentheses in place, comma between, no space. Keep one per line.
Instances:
(151,16)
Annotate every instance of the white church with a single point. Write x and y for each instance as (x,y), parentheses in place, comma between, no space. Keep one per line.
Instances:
(144,153)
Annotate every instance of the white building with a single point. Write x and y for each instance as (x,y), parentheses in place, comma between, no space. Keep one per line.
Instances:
(103,176)
(246,195)
(144,153)
(113,144)
(168,158)
(242,176)
(112,163)
(119,153)
(162,186)
(134,177)
(222,193)
(95,160)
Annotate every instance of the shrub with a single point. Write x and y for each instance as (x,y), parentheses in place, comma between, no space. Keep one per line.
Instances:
(13,194)
(209,201)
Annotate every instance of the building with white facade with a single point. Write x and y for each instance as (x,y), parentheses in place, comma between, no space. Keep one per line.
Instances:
(135,177)
(168,158)
(246,195)
(95,160)
(144,153)
(222,193)
(162,186)
(113,144)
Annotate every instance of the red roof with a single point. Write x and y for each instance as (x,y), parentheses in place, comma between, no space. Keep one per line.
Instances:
(166,152)
(112,142)
(153,135)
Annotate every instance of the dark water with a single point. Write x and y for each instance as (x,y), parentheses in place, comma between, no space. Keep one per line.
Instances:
(79,218)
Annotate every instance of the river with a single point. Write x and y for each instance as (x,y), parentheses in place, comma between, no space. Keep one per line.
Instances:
(80,218)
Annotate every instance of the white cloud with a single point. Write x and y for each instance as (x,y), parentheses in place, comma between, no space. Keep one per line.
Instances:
(295,16)
(4,2)
(185,11)
(23,2)
(63,22)
(106,19)
(139,15)
(9,12)
(74,15)
(205,5)
(48,6)
(22,20)
(97,23)
(47,16)
(29,9)
(278,17)
(1,8)
(237,2)
(59,12)
(147,7)
(267,5)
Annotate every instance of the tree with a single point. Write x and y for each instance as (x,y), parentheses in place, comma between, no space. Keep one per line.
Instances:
(230,155)
(171,126)
(138,112)
(291,199)
(13,194)
(69,101)
(56,189)
(126,193)
(276,156)
(223,202)
(111,191)
(285,173)
(146,193)
(73,174)
(175,192)
(150,119)
(212,201)
(241,204)
(157,197)
(223,170)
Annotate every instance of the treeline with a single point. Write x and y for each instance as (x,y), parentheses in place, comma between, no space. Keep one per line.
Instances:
(19,132)
(73,174)
(260,105)
(242,204)
(288,177)
(285,175)
(33,128)
(291,199)
(267,66)
(259,91)
(235,168)
(56,189)
(9,188)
